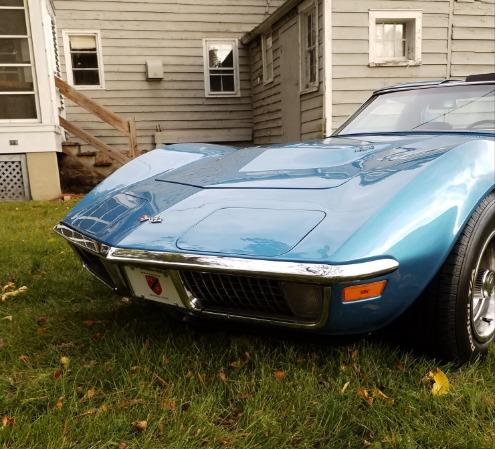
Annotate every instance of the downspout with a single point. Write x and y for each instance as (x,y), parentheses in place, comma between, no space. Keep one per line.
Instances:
(327,68)
(450,38)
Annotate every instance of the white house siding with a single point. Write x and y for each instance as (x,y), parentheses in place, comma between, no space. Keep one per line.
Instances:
(353,80)
(267,102)
(172,32)
(473,37)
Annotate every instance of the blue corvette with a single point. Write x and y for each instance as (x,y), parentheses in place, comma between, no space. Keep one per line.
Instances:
(391,218)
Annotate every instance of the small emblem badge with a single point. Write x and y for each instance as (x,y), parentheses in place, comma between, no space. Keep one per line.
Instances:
(144,218)
(154,284)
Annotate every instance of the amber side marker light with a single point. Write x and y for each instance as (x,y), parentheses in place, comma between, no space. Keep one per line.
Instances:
(364,291)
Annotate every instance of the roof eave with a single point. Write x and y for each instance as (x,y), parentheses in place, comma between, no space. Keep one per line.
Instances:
(269,21)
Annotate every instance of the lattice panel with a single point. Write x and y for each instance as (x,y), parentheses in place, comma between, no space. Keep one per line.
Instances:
(11,181)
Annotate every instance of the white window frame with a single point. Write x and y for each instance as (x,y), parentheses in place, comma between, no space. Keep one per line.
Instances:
(31,64)
(206,64)
(267,52)
(305,84)
(68,60)
(412,19)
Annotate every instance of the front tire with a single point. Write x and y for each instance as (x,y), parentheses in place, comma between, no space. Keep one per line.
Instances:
(464,290)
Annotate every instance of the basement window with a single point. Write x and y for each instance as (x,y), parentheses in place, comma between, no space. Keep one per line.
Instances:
(394,37)
(17,90)
(221,65)
(83,59)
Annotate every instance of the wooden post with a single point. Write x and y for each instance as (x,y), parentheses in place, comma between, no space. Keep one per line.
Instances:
(133,148)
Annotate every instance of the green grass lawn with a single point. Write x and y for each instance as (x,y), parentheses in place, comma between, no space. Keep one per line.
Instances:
(82,368)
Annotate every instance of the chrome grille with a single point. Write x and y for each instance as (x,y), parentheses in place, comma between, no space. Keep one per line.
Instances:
(243,295)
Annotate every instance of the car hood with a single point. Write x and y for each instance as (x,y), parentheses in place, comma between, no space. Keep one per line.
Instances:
(314,165)
(296,202)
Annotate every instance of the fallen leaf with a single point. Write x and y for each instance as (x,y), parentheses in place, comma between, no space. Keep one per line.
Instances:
(11,294)
(241,362)
(7,318)
(365,395)
(64,360)
(42,320)
(91,392)
(122,445)
(24,358)
(42,331)
(91,411)
(169,404)
(441,383)
(7,421)
(279,375)
(91,322)
(140,425)
(381,395)
(59,403)
(221,376)
(165,361)
(342,390)
(8,287)
(57,373)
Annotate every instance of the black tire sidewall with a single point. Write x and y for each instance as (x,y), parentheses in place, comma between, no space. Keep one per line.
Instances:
(482,226)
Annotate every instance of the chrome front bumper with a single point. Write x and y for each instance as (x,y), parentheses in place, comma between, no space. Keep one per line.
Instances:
(323,275)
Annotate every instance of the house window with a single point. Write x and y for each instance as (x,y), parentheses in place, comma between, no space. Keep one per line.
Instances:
(221,67)
(17,93)
(267,49)
(83,59)
(308,27)
(394,37)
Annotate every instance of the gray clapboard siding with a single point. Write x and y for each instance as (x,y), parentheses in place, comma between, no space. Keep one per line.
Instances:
(473,37)
(173,32)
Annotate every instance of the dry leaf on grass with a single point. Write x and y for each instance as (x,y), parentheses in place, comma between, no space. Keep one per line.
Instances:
(7,421)
(365,395)
(11,294)
(140,425)
(241,362)
(439,381)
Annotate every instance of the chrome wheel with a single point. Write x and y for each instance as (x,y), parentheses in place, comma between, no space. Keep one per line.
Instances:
(483,293)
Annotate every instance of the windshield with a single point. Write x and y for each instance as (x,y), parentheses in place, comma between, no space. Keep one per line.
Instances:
(436,108)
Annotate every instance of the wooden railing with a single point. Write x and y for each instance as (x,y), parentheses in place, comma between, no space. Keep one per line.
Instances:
(126,127)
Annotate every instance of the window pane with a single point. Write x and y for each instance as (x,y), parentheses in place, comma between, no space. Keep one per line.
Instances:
(17,107)
(11,3)
(82,42)
(14,51)
(86,77)
(221,55)
(12,22)
(16,79)
(84,61)
(222,81)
